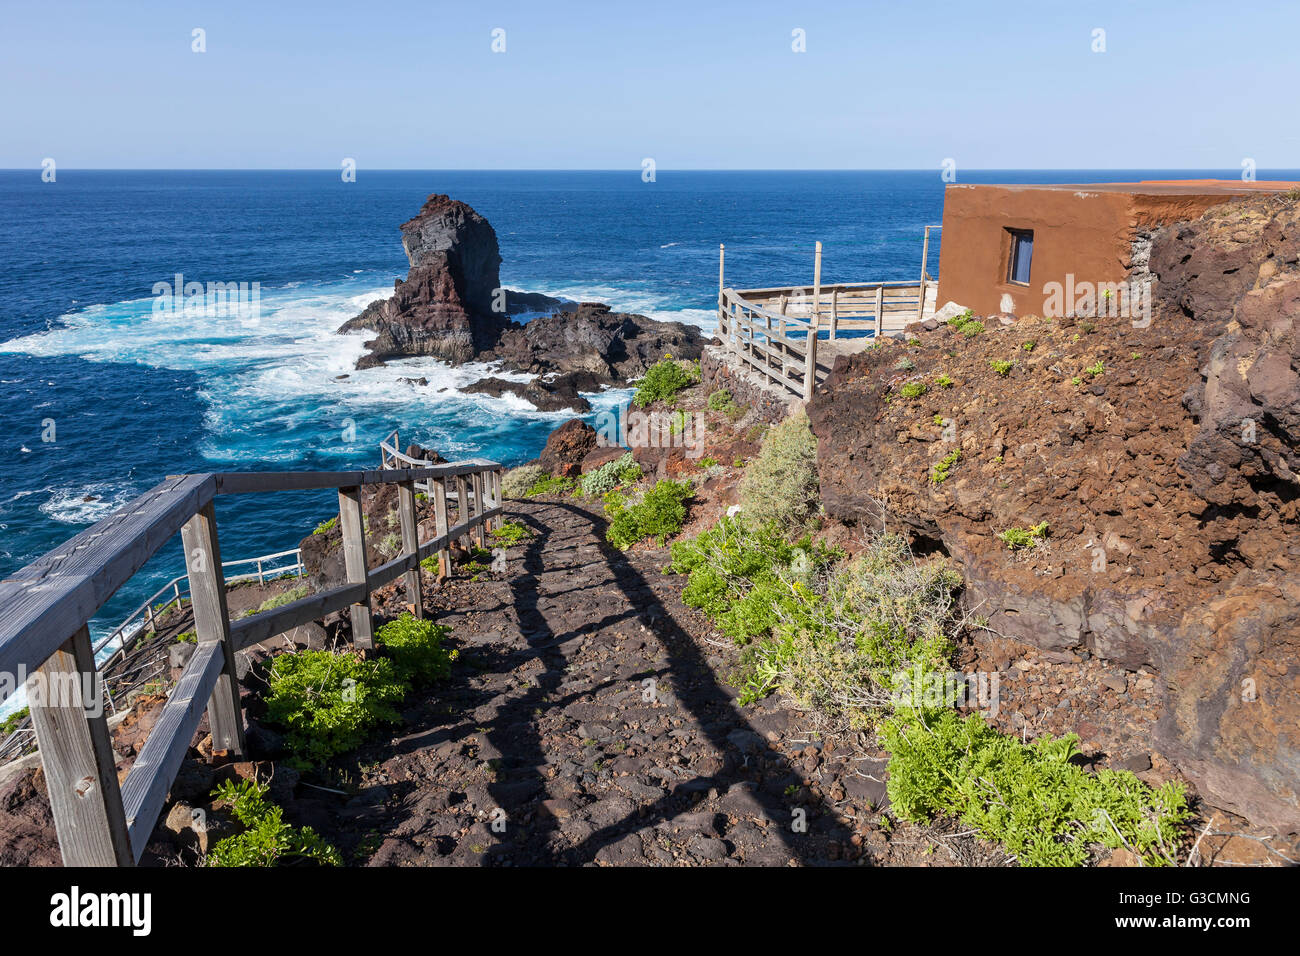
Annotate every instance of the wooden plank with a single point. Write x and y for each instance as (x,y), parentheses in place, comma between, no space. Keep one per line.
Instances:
(234,483)
(410,544)
(145,790)
(439,491)
(212,626)
(880,311)
(267,624)
(59,592)
(351,521)
(462,503)
(65,698)
(810,366)
(817,288)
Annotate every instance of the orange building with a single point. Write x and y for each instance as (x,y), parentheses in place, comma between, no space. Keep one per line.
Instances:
(1054,249)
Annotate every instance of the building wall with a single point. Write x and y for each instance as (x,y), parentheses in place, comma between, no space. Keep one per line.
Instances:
(1080,231)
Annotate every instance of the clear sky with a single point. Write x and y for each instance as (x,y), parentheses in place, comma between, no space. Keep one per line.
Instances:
(710,84)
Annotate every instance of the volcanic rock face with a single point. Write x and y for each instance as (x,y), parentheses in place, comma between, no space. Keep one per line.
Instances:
(448,233)
(445,306)
(1164,460)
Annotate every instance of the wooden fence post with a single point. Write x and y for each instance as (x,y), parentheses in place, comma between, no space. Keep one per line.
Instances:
(880,311)
(410,543)
(476,484)
(810,365)
(835,311)
(438,489)
(77,754)
(352,522)
(817,286)
(722,253)
(212,625)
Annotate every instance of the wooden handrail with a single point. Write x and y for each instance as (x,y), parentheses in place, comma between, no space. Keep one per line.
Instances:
(98,822)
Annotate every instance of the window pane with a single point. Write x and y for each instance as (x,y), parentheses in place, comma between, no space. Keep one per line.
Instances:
(1022,254)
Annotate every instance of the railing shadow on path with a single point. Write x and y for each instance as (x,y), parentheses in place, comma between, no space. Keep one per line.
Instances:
(708,704)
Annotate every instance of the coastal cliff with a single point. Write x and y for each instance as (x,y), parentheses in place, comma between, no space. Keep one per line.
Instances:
(1161,463)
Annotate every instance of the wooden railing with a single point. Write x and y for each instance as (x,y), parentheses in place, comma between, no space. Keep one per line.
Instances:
(45,609)
(777,330)
(141,621)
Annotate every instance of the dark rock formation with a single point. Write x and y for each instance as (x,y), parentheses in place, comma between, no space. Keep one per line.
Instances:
(445,307)
(611,347)
(1167,476)
(451,307)
(547,393)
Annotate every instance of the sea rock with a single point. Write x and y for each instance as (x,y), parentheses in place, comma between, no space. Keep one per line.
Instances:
(611,347)
(449,231)
(546,393)
(451,306)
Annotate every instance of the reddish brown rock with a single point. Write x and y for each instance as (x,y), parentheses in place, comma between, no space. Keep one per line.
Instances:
(567,446)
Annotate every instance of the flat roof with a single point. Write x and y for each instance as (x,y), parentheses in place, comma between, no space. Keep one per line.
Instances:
(1166,187)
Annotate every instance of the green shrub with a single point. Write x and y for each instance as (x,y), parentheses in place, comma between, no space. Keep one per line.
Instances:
(939,473)
(415,647)
(663,380)
(837,637)
(707,462)
(1002,366)
(722,401)
(10,723)
(913,390)
(780,485)
(551,485)
(658,515)
(278,600)
(610,475)
(1015,538)
(516,482)
(741,573)
(267,840)
(327,526)
(972,329)
(328,702)
(943,381)
(1095,370)
(509,533)
(957,321)
(190,637)
(1029,345)
(1031,798)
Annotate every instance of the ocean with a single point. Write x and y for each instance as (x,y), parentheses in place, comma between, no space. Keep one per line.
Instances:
(101,397)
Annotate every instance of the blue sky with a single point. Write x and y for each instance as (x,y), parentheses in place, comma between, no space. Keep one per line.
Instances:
(602,85)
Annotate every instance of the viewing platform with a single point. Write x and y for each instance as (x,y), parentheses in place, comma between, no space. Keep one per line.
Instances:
(789,337)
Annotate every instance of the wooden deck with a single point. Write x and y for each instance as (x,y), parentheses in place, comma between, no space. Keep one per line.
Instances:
(791,336)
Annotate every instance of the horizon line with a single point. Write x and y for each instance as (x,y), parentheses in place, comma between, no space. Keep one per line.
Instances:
(629,170)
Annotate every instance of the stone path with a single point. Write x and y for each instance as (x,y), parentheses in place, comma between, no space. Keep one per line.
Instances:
(586,724)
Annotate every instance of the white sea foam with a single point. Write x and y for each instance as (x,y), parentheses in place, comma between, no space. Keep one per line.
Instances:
(85,504)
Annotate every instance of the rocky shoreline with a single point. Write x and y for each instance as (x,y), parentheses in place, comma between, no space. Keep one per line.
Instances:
(451,306)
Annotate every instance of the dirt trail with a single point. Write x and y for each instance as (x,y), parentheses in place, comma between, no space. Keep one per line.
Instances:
(592,726)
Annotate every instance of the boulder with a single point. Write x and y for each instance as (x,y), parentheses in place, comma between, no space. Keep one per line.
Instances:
(567,446)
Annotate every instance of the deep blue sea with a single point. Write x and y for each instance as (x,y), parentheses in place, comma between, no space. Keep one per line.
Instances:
(135,396)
